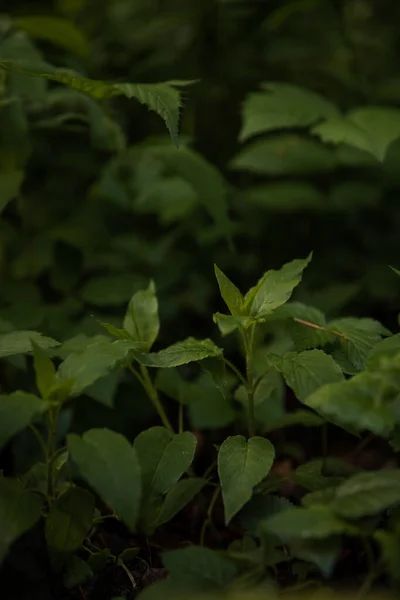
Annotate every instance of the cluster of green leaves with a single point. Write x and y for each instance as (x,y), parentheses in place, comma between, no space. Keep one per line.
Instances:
(348,375)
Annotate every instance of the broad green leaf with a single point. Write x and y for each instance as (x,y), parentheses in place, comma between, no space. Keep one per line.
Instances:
(44,370)
(312,477)
(274,288)
(17,411)
(10,184)
(56,30)
(203,177)
(357,403)
(306,325)
(389,346)
(283,105)
(208,407)
(228,323)
(260,508)
(372,129)
(162,98)
(96,361)
(199,568)
(357,337)
(316,523)
(163,457)
(77,572)
(366,494)
(285,155)
(283,197)
(141,320)
(68,522)
(178,497)
(390,551)
(241,466)
(229,292)
(307,371)
(181,353)
(20,342)
(19,511)
(109,464)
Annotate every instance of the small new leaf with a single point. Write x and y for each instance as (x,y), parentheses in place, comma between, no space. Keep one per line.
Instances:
(229,292)
(44,370)
(141,320)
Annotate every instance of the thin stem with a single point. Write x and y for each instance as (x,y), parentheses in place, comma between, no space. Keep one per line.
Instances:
(236,371)
(40,440)
(129,574)
(210,470)
(144,379)
(208,520)
(248,339)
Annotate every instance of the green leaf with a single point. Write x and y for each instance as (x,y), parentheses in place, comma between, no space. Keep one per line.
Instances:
(198,568)
(10,184)
(96,361)
(357,337)
(323,553)
(141,320)
(77,572)
(303,418)
(178,497)
(366,494)
(390,551)
(164,457)
(229,292)
(274,288)
(162,98)
(283,105)
(387,347)
(312,477)
(283,197)
(44,370)
(316,523)
(109,464)
(208,407)
(241,466)
(260,508)
(58,31)
(68,522)
(228,324)
(20,342)
(17,411)
(357,403)
(181,353)
(307,371)
(285,155)
(19,511)
(372,129)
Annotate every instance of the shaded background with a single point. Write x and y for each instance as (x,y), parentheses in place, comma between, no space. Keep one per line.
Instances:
(98,215)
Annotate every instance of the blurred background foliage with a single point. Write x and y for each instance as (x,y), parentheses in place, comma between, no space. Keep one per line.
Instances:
(95,199)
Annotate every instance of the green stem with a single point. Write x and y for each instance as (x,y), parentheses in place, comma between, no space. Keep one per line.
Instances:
(248,338)
(40,440)
(144,378)
(208,519)
(236,371)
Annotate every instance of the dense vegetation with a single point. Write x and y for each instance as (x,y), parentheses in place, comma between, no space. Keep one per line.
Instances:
(199,347)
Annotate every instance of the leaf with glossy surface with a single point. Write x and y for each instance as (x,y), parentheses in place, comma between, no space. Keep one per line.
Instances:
(355,403)
(367,494)
(316,523)
(275,288)
(95,361)
(17,411)
(372,129)
(229,292)
(20,342)
(141,320)
(181,353)
(283,105)
(19,511)
(241,466)
(164,457)
(199,568)
(178,497)
(109,464)
(307,371)
(44,370)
